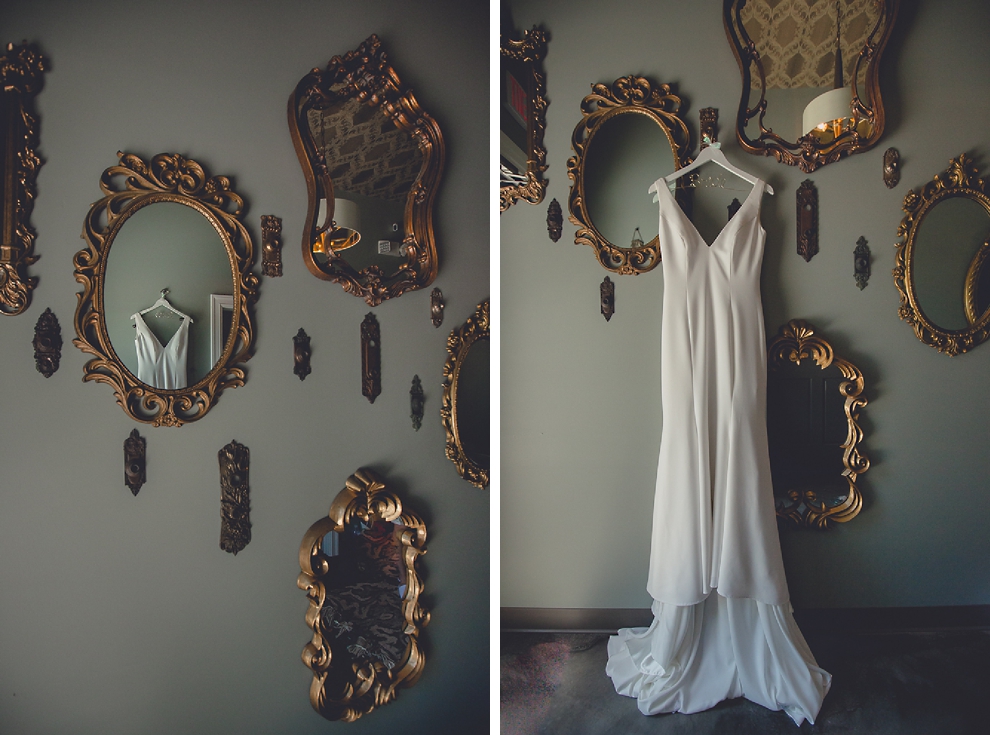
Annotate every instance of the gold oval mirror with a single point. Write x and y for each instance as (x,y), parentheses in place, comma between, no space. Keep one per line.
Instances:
(629,136)
(465,410)
(810,76)
(372,158)
(940,262)
(167,284)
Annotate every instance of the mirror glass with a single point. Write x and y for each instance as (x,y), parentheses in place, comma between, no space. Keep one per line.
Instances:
(166,245)
(472,406)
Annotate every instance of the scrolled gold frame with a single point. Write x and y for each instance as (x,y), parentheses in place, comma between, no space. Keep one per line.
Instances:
(525,55)
(627,95)
(459,342)
(959,180)
(797,340)
(127,187)
(369,684)
(366,74)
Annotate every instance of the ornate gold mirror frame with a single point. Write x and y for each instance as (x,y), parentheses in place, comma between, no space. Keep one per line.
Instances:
(815,149)
(363,595)
(626,96)
(20,80)
(796,341)
(459,343)
(959,180)
(128,187)
(520,67)
(366,76)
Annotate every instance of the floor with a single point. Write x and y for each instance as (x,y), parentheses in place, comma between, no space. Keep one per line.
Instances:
(896,684)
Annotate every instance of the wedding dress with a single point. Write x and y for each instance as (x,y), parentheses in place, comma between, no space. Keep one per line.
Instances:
(723,625)
(161,366)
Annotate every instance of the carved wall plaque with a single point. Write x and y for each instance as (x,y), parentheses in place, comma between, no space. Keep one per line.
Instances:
(891,167)
(608,298)
(301,353)
(416,401)
(436,307)
(235,497)
(555,220)
(371,358)
(271,245)
(134,462)
(861,263)
(47,343)
(807,220)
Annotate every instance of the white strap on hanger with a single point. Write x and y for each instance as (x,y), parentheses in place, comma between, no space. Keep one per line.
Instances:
(163,302)
(711,154)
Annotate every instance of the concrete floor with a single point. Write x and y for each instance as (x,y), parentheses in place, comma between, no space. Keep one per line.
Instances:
(896,684)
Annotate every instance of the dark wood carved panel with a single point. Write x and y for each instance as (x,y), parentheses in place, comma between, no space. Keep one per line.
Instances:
(436,307)
(134,461)
(807,220)
(416,400)
(371,358)
(861,263)
(608,298)
(301,353)
(47,343)
(271,245)
(235,497)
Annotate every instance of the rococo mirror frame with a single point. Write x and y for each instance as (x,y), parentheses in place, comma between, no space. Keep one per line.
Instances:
(524,57)
(959,180)
(370,683)
(626,95)
(797,340)
(807,153)
(366,75)
(127,187)
(21,70)
(459,342)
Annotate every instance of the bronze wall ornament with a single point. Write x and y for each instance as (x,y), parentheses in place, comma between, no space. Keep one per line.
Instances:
(47,343)
(608,298)
(271,245)
(813,487)
(709,126)
(959,183)
(127,187)
(555,220)
(134,461)
(784,32)
(464,410)
(436,307)
(627,95)
(416,401)
(353,562)
(301,353)
(21,69)
(371,358)
(361,94)
(891,167)
(524,107)
(235,497)
(807,220)
(861,263)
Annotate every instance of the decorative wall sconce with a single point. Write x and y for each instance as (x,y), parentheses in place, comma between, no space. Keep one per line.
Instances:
(271,245)
(301,353)
(47,343)
(134,462)
(371,358)
(861,263)
(555,220)
(608,298)
(436,307)
(807,220)
(891,167)
(416,401)
(235,497)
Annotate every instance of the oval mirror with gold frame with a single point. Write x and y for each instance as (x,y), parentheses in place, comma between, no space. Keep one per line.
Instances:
(810,76)
(372,159)
(630,135)
(464,409)
(167,220)
(940,262)
(358,569)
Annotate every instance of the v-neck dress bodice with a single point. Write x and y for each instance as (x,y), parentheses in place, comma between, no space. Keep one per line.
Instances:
(161,366)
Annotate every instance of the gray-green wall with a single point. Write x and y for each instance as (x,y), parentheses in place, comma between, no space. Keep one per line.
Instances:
(581,418)
(121,614)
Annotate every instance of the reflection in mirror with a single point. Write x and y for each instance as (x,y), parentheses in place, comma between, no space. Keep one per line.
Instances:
(358,568)
(372,159)
(629,136)
(465,410)
(813,430)
(940,261)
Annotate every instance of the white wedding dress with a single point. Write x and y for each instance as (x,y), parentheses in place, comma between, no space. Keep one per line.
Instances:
(723,625)
(161,366)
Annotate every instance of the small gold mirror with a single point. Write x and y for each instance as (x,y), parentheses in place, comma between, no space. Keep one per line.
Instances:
(941,266)
(358,568)
(372,158)
(465,409)
(629,136)
(810,76)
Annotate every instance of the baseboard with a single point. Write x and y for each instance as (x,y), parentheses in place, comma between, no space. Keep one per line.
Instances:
(850,619)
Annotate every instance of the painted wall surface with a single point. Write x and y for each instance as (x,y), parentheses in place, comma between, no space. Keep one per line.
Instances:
(121,614)
(581,416)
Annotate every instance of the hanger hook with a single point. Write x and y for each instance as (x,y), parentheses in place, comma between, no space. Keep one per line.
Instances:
(164,292)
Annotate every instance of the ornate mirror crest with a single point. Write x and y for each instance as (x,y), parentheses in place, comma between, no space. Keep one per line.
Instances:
(813,428)
(358,569)
(359,132)
(464,409)
(628,100)
(128,188)
(20,80)
(940,281)
(787,56)
(523,119)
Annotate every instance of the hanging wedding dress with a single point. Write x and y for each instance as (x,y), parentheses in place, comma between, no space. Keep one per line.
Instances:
(723,624)
(161,366)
